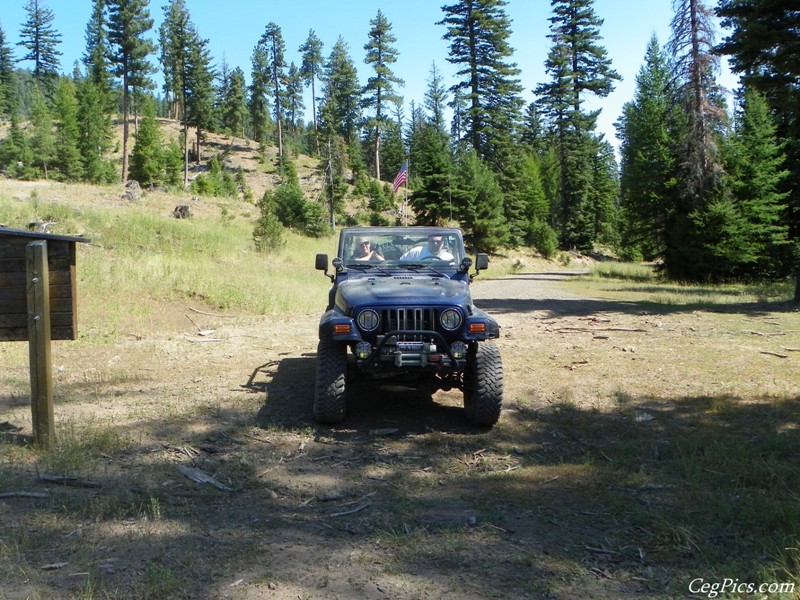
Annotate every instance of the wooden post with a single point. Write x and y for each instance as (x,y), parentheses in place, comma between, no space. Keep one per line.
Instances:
(38,290)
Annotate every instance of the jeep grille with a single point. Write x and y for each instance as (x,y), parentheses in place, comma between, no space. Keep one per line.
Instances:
(409,319)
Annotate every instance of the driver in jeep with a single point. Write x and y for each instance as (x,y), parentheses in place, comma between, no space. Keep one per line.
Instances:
(434,250)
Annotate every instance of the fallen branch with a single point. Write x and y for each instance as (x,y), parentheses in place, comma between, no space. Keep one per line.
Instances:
(358,508)
(41,495)
(774,354)
(71,481)
(210,314)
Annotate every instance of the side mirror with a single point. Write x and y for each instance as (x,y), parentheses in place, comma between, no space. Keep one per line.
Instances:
(321,264)
(481,262)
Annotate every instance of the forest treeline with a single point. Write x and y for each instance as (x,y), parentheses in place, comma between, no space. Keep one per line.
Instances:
(709,191)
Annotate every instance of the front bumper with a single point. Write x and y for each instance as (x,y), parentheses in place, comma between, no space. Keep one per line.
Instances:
(403,349)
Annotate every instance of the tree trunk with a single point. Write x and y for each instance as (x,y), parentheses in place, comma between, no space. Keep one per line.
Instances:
(125,101)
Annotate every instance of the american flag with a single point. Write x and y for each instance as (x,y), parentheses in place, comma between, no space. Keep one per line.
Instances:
(401,177)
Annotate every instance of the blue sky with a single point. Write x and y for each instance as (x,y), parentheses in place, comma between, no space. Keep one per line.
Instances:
(234,27)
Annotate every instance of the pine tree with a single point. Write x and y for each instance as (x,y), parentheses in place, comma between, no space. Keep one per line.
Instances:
(233,108)
(693,67)
(478,32)
(763,44)
(95,132)
(258,104)
(67,155)
(756,167)
(95,57)
(129,21)
(42,140)
(433,175)
(41,40)
(174,40)
(294,105)
(436,98)
(271,42)
(311,70)
(478,204)
(341,113)
(16,156)
(578,66)
(647,176)
(147,160)
(379,92)
(199,89)
(701,208)
(8,101)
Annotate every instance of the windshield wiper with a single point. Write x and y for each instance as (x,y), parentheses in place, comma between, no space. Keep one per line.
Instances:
(360,266)
(418,266)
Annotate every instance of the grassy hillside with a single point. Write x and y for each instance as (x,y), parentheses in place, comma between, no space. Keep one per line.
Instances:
(140,256)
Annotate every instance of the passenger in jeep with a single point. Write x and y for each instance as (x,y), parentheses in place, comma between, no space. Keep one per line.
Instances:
(364,250)
(434,250)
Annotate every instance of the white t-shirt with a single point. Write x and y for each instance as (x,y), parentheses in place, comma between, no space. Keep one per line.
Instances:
(423,252)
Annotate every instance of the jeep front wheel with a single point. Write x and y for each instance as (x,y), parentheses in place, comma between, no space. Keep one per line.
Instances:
(329,392)
(483,384)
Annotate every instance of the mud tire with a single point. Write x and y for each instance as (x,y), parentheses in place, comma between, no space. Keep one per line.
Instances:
(330,403)
(483,384)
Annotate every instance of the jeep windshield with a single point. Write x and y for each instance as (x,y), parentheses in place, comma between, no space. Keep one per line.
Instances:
(375,249)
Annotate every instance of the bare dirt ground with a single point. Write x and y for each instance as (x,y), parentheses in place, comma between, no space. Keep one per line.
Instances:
(314,512)
(404,500)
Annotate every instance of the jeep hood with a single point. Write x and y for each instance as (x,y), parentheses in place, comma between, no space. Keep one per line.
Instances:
(402,290)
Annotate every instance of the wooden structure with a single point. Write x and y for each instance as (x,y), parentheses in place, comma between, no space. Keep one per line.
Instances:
(38,303)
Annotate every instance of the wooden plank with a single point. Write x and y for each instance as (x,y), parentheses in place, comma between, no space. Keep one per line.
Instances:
(44,432)
(21,334)
(60,319)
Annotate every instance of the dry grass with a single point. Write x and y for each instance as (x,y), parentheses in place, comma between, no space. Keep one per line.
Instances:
(648,437)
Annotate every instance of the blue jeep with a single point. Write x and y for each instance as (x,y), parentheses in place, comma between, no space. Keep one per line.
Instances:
(401,307)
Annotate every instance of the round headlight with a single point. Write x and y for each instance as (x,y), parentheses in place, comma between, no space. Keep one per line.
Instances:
(368,319)
(451,319)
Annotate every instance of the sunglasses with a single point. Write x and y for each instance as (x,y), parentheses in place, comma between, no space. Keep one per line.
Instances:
(365,243)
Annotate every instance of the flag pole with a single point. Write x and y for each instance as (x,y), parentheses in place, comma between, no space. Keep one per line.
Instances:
(405,198)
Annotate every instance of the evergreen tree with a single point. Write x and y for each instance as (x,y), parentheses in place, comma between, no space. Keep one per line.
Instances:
(233,108)
(692,252)
(41,40)
(95,57)
(647,177)
(67,154)
(147,160)
(199,89)
(763,43)
(478,204)
(95,132)
(478,32)
(380,88)
(693,68)
(294,105)
(258,103)
(756,167)
(16,156)
(129,21)
(273,51)
(174,39)
(436,98)
(311,70)
(8,103)
(42,140)
(341,94)
(433,175)
(578,66)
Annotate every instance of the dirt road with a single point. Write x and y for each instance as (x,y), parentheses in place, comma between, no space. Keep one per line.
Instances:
(402,501)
